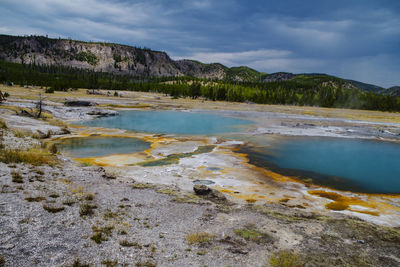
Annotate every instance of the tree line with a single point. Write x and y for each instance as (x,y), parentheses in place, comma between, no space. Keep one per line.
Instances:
(321,90)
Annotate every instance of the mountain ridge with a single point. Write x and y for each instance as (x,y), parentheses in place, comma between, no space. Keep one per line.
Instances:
(140,62)
(110,57)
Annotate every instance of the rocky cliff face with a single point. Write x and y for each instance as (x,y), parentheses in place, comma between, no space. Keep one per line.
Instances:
(278,76)
(105,57)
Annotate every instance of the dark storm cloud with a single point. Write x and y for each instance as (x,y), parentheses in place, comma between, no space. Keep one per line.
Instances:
(352,39)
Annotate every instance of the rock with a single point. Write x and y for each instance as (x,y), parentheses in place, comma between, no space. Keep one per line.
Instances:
(201,189)
(212,194)
(109,176)
(278,76)
(215,194)
(79,103)
(237,250)
(102,112)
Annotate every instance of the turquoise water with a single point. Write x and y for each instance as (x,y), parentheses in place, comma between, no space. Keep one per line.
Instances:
(170,122)
(101,146)
(346,164)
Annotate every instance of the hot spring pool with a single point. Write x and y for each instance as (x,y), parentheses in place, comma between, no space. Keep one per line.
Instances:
(101,146)
(170,122)
(346,164)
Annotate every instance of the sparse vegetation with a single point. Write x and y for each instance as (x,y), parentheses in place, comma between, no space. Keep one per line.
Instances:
(3,125)
(16,177)
(53,209)
(122,232)
(98,237)
(285,259)
(167,191)
(100,234)
(89,196)
(188,198)
(86,209)
(252,234)
(87,56)
(141,186)
(77,263)
(110,263)
(199,238)
(69,201)
(35,199)
(52,148)
(126,243)
(145,264)
(201,252)
(110,214)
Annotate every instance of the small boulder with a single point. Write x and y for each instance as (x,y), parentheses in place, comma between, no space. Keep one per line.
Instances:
(215,194)
(209,193)
(201,189)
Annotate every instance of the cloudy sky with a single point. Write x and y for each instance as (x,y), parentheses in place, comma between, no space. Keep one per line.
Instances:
(355,39)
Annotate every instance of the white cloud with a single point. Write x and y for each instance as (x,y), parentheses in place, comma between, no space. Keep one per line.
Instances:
(237,58)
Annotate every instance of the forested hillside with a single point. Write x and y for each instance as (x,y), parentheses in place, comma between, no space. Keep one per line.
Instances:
(309,90)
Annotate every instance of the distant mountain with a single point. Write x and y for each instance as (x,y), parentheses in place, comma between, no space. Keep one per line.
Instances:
(393,91)
(367,87)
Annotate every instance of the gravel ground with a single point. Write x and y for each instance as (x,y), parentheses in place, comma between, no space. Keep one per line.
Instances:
(64,214)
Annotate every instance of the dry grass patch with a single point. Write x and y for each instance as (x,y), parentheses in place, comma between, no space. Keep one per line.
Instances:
(199,238)
(33,156)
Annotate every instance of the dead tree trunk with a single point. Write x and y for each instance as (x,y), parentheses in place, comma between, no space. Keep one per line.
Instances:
(39,105)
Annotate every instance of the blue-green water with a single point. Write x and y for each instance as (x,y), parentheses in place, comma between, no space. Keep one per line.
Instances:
(101,146)
(346,164)
(170,122)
